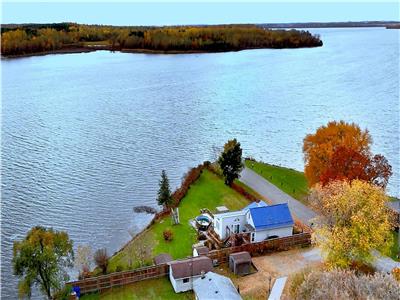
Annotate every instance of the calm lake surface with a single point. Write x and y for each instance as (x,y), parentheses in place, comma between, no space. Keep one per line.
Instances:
(85,136)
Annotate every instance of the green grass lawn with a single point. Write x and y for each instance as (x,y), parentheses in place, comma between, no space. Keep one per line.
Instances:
(159,288)
(290,181)
(394,249)
(209,191)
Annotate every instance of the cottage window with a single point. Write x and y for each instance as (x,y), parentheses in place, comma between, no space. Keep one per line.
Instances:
(252,236)
(185,280)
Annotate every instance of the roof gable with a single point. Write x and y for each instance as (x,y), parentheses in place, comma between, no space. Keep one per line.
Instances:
(273,216)
(191,267)
(255,204)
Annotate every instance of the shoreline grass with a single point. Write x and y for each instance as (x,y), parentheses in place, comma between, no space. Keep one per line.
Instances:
(288,180)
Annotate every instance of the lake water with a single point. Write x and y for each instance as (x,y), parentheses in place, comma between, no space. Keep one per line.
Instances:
(85,136)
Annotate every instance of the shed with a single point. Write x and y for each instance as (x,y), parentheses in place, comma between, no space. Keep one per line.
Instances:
(182,273)
(162,258)
(200,250)
(215,286)
(221,209)
(240,263)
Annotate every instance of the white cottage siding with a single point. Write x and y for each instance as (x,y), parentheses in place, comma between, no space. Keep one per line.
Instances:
(181,286)
(262,235)
(173,282)
(282,232)
(221,221)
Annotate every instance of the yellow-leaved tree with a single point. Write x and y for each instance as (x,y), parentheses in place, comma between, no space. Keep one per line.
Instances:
(354,221)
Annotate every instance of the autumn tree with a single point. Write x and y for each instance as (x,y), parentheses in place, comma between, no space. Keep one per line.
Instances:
(164,192)
(83,259)
(31,38)
(354,221)
(318,148)
(41,259)
(230,161)
(101,259)
(348,164)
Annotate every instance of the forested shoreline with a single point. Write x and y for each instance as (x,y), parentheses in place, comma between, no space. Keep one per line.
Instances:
(28,39)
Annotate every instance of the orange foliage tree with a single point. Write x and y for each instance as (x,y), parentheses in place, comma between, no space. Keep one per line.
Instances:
(348,164)
(318,148)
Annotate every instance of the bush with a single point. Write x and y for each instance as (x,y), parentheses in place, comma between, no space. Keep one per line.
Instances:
(189,178)
(396,274)
(297,280)
(243,192)
(119,268)
(168,235)
(101,259)
(339,284)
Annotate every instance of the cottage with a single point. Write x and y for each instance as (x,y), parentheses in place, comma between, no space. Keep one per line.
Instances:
(258,219)
(240,263)
(200,250)
(182,273)
(162,258)
(214,286)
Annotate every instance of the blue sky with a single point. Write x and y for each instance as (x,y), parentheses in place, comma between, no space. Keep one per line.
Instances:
(151,13)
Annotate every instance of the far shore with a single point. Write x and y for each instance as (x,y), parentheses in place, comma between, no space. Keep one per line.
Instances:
(87,49)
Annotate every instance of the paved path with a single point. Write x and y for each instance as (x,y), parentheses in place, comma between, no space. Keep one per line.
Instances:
(275,195)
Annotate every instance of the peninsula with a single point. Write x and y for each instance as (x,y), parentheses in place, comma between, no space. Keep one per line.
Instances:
(28,39)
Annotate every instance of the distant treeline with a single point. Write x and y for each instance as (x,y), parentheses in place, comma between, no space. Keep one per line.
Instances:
(33,38)
(332,24)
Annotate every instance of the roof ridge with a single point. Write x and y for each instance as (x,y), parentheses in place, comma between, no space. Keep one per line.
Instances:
(285,203)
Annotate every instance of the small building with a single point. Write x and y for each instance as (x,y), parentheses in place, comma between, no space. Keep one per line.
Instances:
(221,209)
(200,250)
(214,286)
(258,219)
(162,258)
(240,263)
(182,273)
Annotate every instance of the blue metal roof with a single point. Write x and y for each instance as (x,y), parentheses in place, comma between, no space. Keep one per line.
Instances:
(255,204)
(273,216)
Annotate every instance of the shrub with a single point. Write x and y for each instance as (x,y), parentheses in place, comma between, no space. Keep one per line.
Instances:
(297,280)
(396,274)
(101,259)
(119,268)
(243,192)
(190,177)
(339,284)
(168,235)
(207,164)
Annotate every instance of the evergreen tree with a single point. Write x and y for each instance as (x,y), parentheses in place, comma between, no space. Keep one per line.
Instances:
(230,161)
(164,193)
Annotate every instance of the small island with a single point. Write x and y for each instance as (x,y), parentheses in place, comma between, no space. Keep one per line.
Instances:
(28,39)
